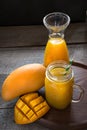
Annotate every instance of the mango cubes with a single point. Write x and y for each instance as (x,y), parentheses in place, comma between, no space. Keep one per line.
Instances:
(29,108)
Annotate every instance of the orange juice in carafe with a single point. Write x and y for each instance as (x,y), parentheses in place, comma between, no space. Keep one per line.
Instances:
(56,48)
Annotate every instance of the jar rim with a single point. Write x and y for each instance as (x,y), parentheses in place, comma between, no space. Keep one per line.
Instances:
(66,75)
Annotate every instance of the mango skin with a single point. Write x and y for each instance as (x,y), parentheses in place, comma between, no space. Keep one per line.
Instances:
(24,79)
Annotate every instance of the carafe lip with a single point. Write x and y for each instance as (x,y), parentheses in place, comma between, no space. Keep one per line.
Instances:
(59,64)
(62,26)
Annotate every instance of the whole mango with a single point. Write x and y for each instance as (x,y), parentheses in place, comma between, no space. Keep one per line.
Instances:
(24,79)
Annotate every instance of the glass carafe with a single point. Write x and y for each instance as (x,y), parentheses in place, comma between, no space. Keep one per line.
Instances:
(56,48)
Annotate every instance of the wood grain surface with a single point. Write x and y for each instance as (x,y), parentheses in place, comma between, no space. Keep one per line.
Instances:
(16,36)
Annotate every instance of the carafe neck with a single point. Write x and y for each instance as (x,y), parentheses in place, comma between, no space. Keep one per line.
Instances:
(56,34)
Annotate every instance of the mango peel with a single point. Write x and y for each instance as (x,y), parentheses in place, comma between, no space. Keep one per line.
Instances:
(22,80)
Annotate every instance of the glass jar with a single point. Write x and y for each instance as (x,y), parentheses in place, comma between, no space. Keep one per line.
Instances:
(59,85)
(56,48)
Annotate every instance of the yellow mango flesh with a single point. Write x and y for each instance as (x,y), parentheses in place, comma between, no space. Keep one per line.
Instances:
(29,108)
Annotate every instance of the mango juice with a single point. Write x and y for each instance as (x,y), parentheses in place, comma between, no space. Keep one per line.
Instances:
(56,49)
(59,87)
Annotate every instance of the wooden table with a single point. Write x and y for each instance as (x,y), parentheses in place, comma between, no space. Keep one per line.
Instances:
(22,45)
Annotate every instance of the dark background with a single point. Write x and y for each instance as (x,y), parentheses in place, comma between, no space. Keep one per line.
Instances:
(31,12)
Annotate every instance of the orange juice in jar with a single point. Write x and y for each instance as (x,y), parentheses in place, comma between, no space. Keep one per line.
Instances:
(56,48)
(59,85)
